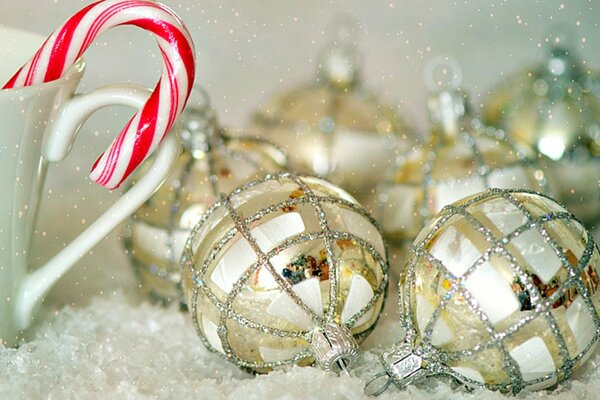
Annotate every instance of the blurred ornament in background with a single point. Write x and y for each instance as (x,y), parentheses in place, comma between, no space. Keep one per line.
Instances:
(462,157)
(555,107)
(286,270)
(499,290)
(333,127)
(211,162)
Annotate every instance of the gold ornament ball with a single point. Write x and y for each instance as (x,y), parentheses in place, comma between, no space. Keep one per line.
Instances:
(555,108)
(211,162)
(501,290)
(285,270)
(462,157)
(333,127)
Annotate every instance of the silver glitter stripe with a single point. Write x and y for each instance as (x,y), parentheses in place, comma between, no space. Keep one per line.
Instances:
(300,238)
(334,285)
(544,307)
(483,170)
(498,246)
(381,289)
(405,299)
(427,181)
(283,284)
(581,265)
(509,363)
(488,172)
(522,275)
(257,216)
(327,235)
(250,324)
(242,155)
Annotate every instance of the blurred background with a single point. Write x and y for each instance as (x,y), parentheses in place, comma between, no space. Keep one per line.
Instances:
(248,50)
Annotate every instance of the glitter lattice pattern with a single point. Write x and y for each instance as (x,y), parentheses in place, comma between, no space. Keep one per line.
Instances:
(258,262)
(480,157)
(157,233)
(501,290)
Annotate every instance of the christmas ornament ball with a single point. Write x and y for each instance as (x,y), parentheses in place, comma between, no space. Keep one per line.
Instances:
(285,270)
(554,107)
(500,290)
(462,157)
(210,162)
(334,127)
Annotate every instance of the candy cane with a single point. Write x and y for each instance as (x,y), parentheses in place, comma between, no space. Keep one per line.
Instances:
(148,127)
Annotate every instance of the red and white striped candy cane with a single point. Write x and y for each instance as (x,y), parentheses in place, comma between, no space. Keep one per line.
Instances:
(148,127)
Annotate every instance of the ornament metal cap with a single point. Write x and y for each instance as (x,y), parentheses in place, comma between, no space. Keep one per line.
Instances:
(515,328)
(334,347)
(446,110)
(447,104)
(339,63)
(403,365)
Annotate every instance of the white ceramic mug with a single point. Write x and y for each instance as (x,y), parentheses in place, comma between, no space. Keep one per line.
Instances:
(37,126)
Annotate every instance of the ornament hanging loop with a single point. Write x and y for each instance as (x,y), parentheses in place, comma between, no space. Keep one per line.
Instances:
(378,384)
(562,65)
(560,35)
(345,29)
(442,73)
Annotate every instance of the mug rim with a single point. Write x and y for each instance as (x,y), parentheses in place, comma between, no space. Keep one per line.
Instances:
(75,71)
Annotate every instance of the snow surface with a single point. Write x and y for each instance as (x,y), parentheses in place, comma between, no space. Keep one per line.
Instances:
(109,342)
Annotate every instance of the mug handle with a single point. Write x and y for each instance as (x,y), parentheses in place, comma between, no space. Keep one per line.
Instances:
(60,136)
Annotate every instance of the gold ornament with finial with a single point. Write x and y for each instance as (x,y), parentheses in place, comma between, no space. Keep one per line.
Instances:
(555,108)
(211,162)
(462,157)
(285,270)
(500,290)
(333,127)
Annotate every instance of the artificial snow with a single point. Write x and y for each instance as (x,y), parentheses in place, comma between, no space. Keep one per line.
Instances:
(109,342)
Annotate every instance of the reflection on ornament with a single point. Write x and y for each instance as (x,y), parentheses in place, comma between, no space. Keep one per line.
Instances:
(333,127)
(285,270)
(462,157)
(555,108)
(500,290)
(211,162)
